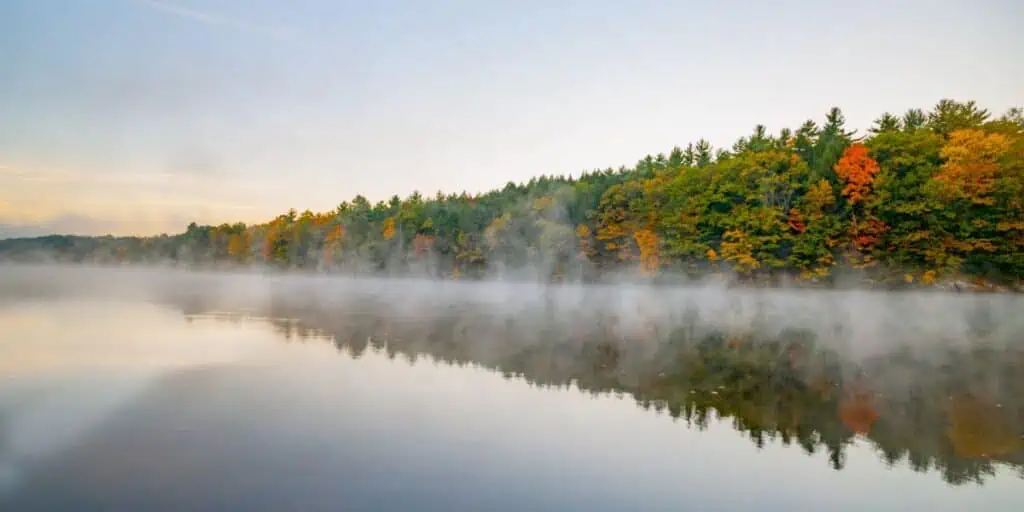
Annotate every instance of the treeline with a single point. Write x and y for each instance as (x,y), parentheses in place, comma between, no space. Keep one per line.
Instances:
(921,197)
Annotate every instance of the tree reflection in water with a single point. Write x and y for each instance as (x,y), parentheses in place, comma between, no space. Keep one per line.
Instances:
(956,409)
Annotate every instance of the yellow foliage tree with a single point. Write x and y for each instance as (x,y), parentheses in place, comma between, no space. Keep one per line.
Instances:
(738,249)
(238,246)
(583,234)
(494,230)
(979,429)
(650,250)
(819,196)
(389,228)
(972,163)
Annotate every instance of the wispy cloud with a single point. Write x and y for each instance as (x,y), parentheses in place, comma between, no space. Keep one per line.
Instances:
(212,19)
(46,174)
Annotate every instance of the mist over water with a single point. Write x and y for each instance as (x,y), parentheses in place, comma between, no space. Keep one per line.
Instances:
(929,381)
(858,322)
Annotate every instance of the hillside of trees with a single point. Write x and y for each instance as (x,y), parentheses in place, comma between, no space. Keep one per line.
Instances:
(922,197)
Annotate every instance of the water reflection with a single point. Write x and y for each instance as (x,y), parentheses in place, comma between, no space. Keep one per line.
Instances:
(184,397)
(957,410)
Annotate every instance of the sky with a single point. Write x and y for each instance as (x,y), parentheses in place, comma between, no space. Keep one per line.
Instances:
(140,116)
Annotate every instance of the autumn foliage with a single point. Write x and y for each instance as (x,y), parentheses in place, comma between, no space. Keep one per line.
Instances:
(422,245)
(857,170)
(738,248)
(980,429)
(867,234)
(389,229)
(927,194)
(238,246)
(972,161)
(648,242)
(857,411)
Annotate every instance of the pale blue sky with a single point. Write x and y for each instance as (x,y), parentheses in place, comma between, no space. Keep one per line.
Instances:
(136,116)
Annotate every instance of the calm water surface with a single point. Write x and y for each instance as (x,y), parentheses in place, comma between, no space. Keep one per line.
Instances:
(115,402)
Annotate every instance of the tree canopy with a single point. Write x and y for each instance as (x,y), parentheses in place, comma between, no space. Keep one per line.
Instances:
(920,196)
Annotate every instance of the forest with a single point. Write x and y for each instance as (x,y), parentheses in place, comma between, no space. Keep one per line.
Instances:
(921,198)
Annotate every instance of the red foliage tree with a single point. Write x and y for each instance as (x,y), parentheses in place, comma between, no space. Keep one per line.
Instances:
(857,170)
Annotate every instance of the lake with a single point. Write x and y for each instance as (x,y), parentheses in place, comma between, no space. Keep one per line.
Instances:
(131,389)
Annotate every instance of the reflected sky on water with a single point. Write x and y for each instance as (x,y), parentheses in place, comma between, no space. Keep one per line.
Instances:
(139,405)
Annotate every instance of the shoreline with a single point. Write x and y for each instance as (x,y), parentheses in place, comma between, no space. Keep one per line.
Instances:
(624,277)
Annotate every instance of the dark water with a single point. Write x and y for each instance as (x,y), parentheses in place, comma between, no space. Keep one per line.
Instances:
(122,391)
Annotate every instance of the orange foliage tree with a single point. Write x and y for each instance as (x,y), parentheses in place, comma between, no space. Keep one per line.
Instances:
(857,170)
(857,411)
